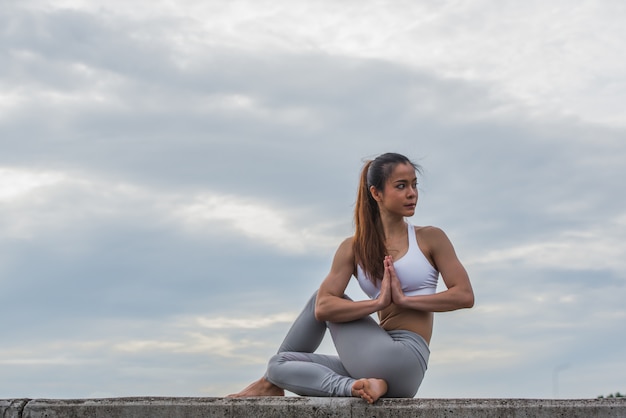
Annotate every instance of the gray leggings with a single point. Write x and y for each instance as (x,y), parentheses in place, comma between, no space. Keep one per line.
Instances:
(365,351)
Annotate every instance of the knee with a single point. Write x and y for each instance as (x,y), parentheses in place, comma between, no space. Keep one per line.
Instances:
(278,366)
(275,361)
(402,392)
(403,388)
(278,360)
(403,380)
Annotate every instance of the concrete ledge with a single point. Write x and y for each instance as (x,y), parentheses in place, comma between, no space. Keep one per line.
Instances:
(302,407)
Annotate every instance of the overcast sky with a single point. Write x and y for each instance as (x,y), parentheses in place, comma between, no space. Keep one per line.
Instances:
(176,176)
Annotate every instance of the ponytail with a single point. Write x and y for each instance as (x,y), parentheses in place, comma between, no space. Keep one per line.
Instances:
(369,241)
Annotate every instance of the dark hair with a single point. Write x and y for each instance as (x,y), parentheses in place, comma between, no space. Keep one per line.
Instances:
(369,238)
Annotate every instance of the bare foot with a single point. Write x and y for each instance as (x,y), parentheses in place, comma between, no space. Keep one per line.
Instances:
(259,388)
(369,389)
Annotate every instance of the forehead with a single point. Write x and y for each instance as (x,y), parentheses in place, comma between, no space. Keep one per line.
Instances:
(402,172)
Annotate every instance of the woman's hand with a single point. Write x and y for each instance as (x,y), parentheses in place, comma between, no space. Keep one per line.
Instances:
(384,297)
(397,294)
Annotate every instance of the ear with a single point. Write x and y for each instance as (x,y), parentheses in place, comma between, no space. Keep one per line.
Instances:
(377,195)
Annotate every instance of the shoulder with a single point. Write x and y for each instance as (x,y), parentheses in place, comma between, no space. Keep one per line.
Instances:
(344,257)
(431,237)
(345,249)
(347,241)
(429,232)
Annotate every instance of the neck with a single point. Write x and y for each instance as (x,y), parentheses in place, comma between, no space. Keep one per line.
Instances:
(392,225)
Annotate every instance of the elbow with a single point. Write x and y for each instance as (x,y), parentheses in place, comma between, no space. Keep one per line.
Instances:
(468,299)
(319,312)
(318,315)
(463,297)
(325,307)
(321,316)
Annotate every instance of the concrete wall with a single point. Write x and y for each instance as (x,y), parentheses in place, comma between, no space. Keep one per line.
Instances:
(302,407)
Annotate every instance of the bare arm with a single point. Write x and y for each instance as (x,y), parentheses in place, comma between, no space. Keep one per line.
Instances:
(459,293)
(330,304)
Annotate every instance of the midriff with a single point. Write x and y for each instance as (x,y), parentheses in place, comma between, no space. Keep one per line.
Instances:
(394,318)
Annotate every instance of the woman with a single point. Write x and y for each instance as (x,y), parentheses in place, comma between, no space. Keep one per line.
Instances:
(397,265)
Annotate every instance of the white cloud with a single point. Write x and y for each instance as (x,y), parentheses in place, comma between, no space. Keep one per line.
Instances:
(245,106)
(34,202)
(40,203)
(40,361)
(135,346)
(256,220)
(253,322)
(16,183)
(214,345)
(557,59)
(598,247)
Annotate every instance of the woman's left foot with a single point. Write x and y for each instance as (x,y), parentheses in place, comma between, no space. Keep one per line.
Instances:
(369,389)
(261,387)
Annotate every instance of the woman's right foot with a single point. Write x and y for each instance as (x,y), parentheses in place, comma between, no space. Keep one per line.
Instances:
(369,389)
(261,387)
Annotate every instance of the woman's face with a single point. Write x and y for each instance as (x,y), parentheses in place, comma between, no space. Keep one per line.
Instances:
(399,195)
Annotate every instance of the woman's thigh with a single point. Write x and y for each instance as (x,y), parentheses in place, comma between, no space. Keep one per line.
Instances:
(368,351)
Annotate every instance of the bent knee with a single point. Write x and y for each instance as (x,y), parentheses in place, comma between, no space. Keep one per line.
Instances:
(403,388)
(401,393)
(272,367)
(277,360)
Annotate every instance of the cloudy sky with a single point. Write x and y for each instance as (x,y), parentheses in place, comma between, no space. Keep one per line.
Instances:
(175,177)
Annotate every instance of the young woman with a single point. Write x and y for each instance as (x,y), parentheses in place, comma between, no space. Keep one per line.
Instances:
(397,265)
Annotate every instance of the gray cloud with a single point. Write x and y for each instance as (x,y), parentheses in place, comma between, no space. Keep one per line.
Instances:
(117,136)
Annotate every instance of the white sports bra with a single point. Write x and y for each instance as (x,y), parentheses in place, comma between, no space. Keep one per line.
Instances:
(417,276)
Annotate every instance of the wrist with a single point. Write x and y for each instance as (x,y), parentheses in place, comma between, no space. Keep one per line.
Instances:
(402,300)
